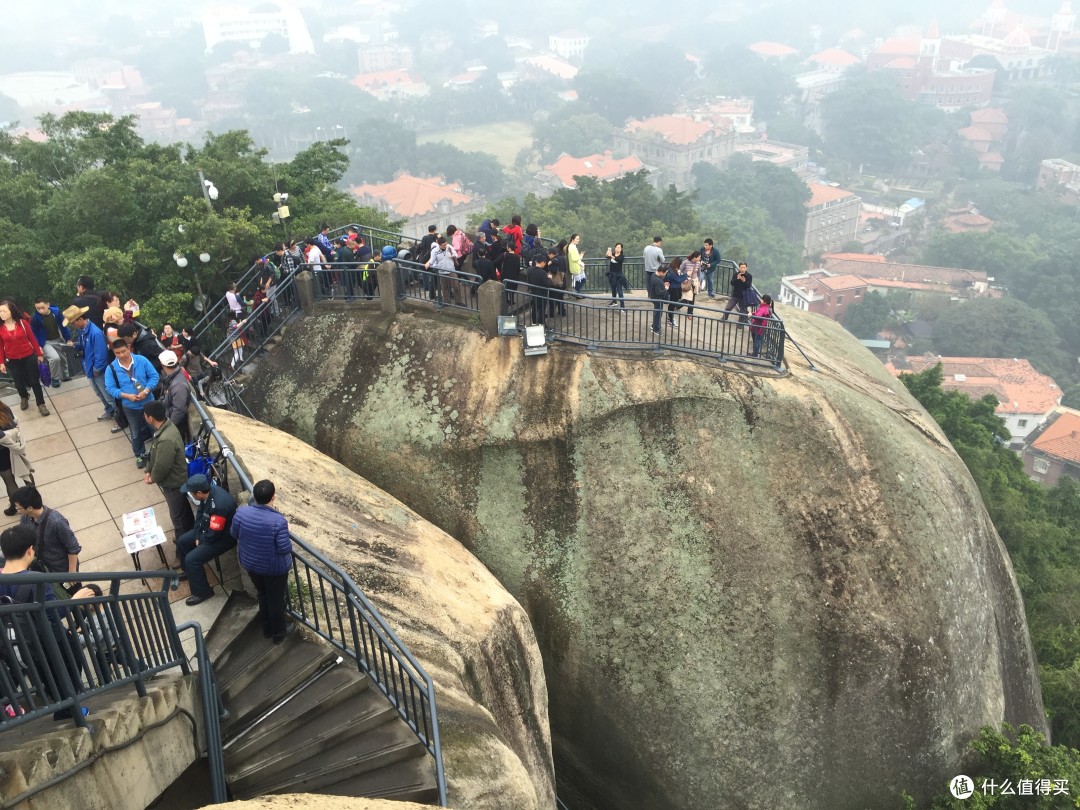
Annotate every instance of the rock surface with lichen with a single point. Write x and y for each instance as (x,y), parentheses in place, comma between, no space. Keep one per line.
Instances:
(463,627)
(750,590)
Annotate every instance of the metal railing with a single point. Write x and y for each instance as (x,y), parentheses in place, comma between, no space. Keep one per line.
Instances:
(345,280)
(699,329)
(596,278)
(326,600)
(56,654)
(456,289)
(264,323)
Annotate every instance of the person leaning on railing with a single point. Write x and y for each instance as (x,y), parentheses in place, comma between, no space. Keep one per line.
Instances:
(17,545)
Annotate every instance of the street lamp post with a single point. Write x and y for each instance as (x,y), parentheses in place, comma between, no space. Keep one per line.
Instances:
(282,213)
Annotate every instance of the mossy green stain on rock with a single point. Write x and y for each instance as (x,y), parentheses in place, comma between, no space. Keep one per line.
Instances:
(762,589)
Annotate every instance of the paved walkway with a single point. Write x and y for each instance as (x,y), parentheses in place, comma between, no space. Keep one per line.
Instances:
(89,475)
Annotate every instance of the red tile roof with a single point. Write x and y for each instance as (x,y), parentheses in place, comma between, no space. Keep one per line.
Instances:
(821,194)
(411,196)
(383,78)
(900,46)
(1061,437)
(871,266)
(1019,388)
(989,115)
(772,49)
(974,134)
(601,166)
(675,129)
(859,257)
(841,283)
(834,56)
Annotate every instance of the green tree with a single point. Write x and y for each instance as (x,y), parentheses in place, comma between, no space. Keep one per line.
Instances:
(1001,327)
(756,184)
(572,130)
(735,71)
(1015,754)
(615,96)
(1071,397)
(380,150)
(869,316)
(868,122)
(478,171)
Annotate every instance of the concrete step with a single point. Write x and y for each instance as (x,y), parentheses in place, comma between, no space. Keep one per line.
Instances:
(387,744)
(315,739)
(330,691)
(274,671)
(247,657)
(411,780)
(239,611)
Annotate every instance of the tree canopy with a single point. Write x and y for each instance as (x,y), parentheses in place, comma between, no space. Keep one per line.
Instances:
(95,199)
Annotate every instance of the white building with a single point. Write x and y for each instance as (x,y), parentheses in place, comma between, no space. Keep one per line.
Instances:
(568,44)
(242,25)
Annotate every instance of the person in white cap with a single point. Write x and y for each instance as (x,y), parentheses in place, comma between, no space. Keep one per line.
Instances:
(177,392)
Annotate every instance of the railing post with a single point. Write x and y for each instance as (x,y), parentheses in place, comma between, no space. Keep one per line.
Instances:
(304,282)
(388,287)
(492,304)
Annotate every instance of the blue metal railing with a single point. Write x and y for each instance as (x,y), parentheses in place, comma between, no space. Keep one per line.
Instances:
(56,654)
(326,600)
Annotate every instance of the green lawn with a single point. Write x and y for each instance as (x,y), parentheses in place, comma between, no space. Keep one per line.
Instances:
(503,140)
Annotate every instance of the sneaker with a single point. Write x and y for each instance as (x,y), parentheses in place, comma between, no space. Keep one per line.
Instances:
(42,409)
(140,462)
(116,429)
(55,383)
(194,600)
(656,331)
(672,324)
(24,403)
(622,311)
(613,303)
(105,416)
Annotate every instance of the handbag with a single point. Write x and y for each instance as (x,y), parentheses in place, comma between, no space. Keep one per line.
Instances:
(44,373)
(750,297)
(687,285)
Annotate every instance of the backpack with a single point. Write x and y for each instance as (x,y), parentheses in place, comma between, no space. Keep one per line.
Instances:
(466,244)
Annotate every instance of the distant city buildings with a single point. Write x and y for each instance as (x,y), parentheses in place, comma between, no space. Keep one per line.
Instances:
(1060,177)
(1053,449)
(250,25)
(388,85)
(1025,397)
(569,45)
(822,292)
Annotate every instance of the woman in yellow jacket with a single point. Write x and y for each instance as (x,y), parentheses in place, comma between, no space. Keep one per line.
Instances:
(575,258)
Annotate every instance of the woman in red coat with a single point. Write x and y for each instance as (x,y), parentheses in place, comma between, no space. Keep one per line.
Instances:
(20,355)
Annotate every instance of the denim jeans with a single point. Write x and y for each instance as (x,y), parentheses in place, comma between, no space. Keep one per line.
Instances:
(658,307)
(97,382)
(139,430)
(709,281)
(193,559)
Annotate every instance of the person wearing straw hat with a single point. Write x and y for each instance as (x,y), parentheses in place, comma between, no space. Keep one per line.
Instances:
(90,340)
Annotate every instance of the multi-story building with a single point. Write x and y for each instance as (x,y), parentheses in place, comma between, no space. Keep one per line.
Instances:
(377,58)
(250,26)
(1060,177)
(786,155)
(1053,450)
(925,70)
(822,292)
(952,281)
(832,219)
(569,45)
(672,144)
(421,201)
(1025,397)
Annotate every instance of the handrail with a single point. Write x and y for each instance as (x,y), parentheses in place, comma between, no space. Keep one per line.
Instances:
(710,332)
(56,653)
(346,619)
(212,711)
(262,322)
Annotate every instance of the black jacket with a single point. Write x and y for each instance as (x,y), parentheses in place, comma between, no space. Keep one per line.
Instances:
(655,286)
(537,276)
(739,287)
(218,504)
(484,268)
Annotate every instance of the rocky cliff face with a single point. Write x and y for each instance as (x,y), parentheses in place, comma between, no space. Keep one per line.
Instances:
(749,592)
(470,635)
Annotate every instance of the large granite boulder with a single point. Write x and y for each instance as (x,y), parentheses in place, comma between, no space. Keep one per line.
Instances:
(750,591)
(470,635)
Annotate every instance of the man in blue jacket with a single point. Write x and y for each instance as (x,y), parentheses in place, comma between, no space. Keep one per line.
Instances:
(210,538)
(710,258)
(131,378)
(90,341)
(266,554)
(52,336)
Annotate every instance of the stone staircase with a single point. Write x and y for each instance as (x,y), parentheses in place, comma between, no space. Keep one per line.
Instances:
(56,765)
(335,733)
